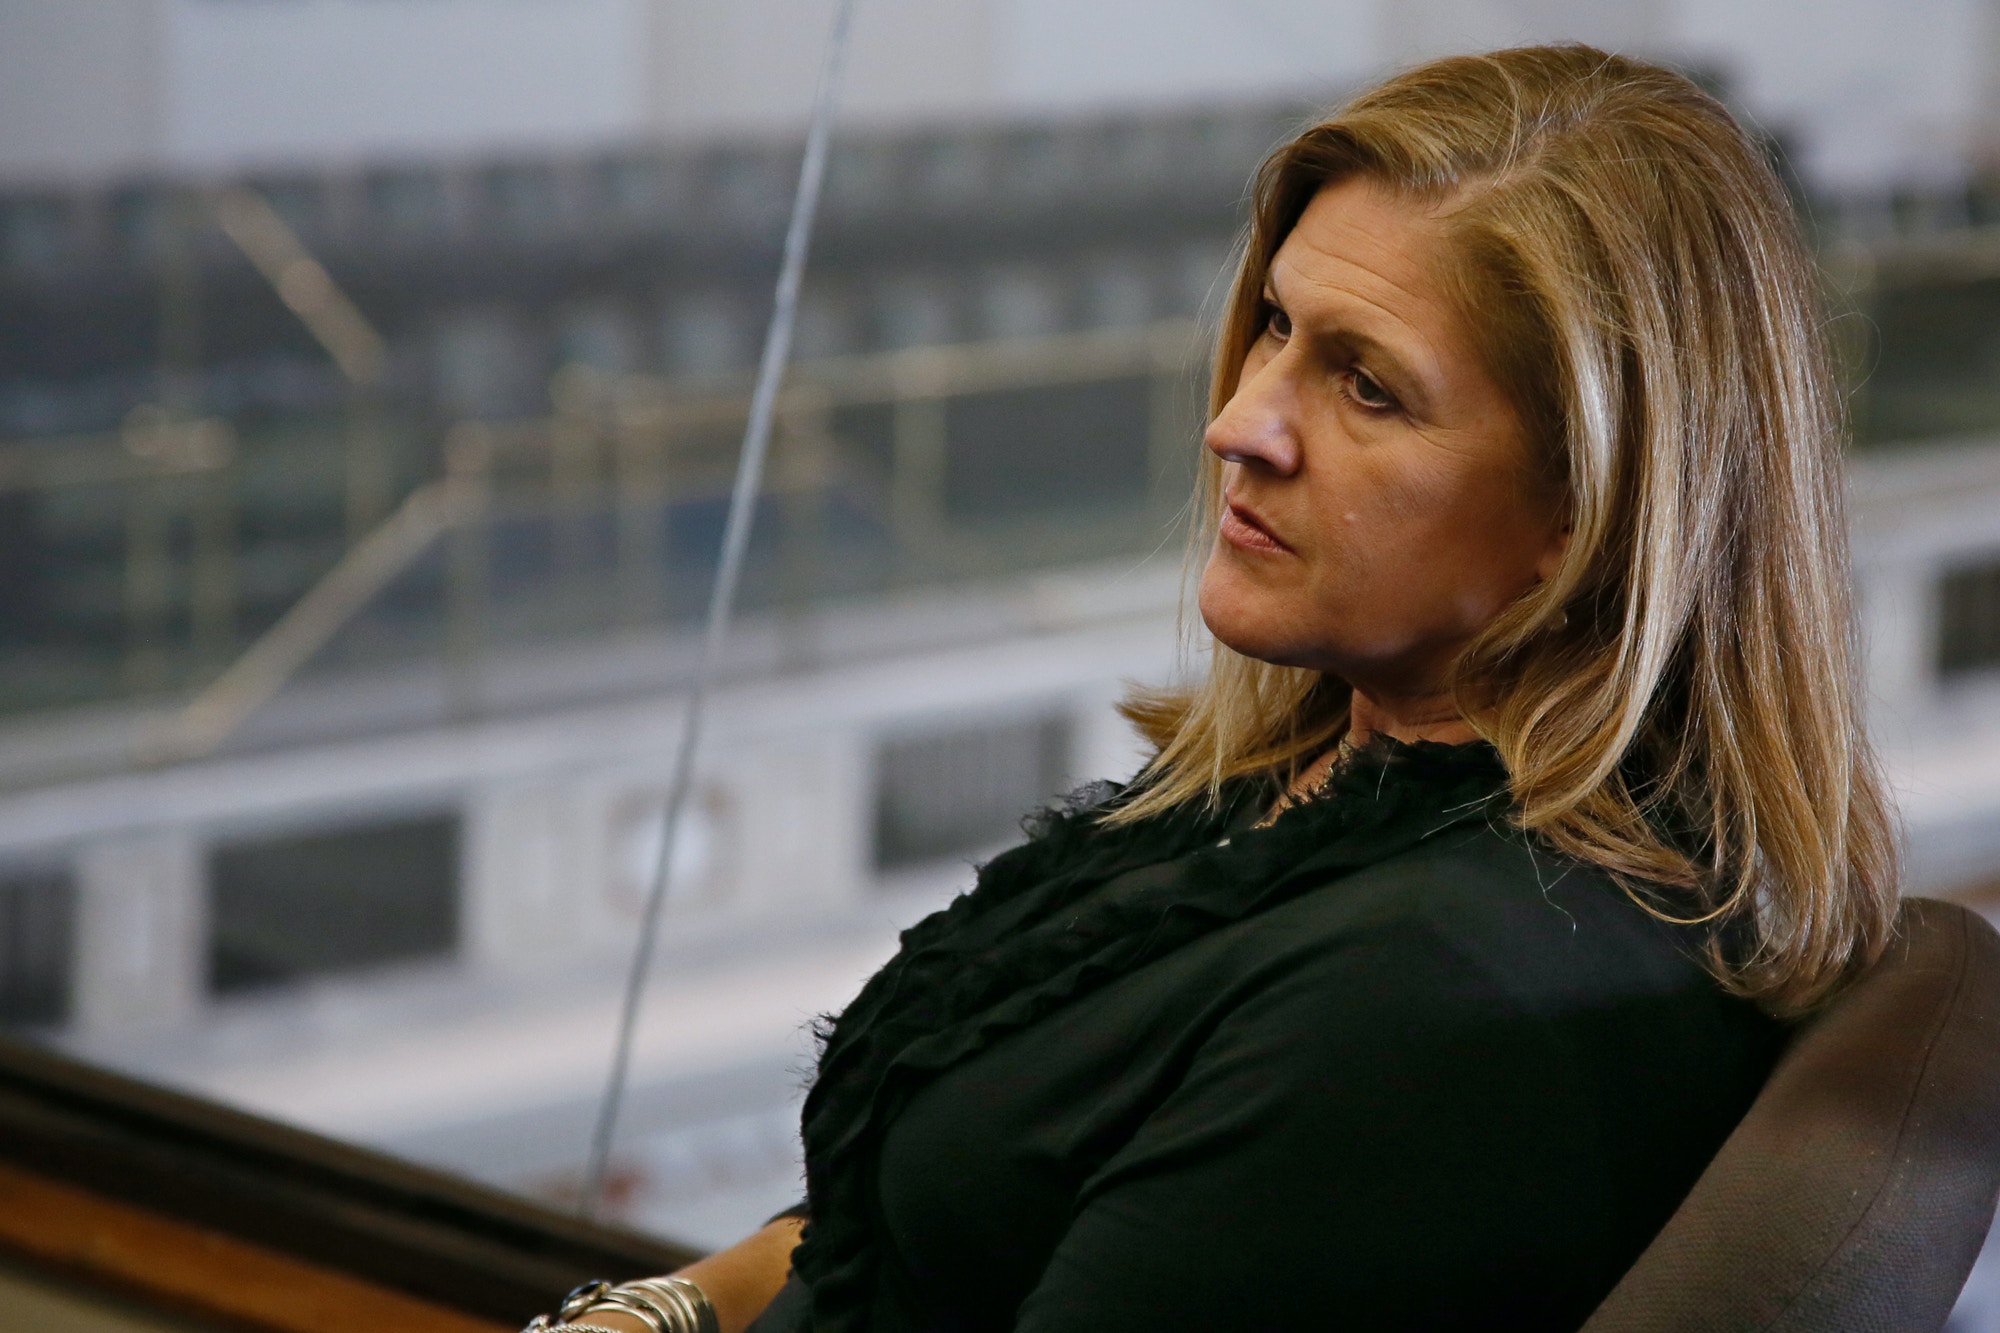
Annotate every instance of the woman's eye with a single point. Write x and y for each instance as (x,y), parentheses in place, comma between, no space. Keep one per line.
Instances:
(1367,392)
(1277,323)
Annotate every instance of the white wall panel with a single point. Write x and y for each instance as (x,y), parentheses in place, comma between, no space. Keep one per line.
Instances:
(354,79)
(141,940)
(82,84)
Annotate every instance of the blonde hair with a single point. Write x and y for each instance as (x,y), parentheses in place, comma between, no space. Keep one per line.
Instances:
(1678,704)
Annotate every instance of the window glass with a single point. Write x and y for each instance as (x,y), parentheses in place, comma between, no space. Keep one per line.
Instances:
(950,793)
(313,904)
(1969,619)
(37,927)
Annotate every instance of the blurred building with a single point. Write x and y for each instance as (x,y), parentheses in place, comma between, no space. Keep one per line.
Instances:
(448,818)
(370,376)
(583,312)
(1875,91)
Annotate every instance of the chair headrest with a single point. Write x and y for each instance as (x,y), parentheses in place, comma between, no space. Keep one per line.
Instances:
(1857,1191)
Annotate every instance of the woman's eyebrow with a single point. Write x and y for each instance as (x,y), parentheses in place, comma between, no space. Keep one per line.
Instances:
(1379,359)
(1340,331)
(1372,348)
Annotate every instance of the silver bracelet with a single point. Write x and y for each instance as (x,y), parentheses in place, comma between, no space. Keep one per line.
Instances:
(658,1318)
(580,1299)
(663,1304)
(645,1311)
(682,1306)
(569,1315)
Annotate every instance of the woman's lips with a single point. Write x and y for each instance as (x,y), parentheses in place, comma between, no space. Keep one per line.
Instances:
(1241,529)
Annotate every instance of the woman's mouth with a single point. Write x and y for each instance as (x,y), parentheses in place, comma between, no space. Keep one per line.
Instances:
(1242,529)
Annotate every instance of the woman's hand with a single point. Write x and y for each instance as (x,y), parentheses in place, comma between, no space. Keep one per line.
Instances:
(739,1281)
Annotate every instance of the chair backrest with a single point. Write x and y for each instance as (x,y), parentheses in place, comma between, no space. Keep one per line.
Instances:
(1859,1188)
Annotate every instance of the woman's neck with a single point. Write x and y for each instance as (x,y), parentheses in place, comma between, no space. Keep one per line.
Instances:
(1429,718)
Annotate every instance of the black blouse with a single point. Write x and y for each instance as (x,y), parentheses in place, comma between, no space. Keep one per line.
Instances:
(1384,1063)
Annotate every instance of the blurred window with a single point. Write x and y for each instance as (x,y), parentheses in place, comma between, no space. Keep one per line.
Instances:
(915,310)
(1205,272)
(409,203)
(524,201)
(1969,620)
(707,333)
(37,234)
(1041,164)
(302,204)
(486,364)
(598,334)
(1118,293)
(952,171)
(1137,156)
(1228,143)
(861,179)
(750,187)
(1019,451)
(141,220)
(305,905)
(37,934)
(1020,301)
(826,324)
(957,792)
(634,189)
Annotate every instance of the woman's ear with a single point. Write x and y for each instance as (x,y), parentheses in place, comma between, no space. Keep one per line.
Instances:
(1552,556)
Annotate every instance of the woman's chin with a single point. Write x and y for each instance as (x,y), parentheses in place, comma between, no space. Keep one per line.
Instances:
(1255,634)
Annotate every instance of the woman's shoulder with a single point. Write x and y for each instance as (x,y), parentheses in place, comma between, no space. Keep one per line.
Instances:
(1480,945)
(1495,906)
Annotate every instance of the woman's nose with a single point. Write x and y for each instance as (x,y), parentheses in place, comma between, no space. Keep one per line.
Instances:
(1255,427)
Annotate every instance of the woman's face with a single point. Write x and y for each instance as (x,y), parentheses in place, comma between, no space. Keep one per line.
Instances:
(1378,507)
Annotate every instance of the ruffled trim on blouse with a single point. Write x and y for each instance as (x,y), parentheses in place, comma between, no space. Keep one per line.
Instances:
(973,973)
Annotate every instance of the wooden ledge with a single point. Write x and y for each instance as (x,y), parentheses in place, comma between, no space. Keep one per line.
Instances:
(195,1271)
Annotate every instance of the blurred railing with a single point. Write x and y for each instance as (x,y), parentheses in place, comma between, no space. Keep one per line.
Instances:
(888,470)
(143,562)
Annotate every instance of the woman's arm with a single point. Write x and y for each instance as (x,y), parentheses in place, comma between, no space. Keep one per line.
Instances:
(739,1281)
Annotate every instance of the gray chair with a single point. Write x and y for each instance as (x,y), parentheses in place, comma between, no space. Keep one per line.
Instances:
(1858,1190)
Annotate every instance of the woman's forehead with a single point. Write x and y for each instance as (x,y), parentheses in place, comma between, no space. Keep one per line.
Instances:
(1356,239)
(1363,266)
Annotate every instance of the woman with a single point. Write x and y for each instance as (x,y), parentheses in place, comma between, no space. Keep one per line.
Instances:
(1453,924)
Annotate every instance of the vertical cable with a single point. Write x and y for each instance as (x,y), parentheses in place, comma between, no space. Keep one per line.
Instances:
(722,597)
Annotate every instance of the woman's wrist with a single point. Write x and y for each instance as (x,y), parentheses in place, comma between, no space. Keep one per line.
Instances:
(650,1305)
(610,1321)
(724,1293)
